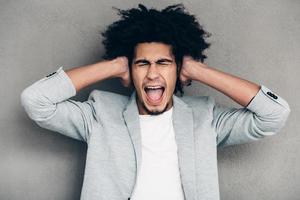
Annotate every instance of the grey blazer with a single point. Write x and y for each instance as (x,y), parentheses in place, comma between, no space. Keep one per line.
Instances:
(109,123)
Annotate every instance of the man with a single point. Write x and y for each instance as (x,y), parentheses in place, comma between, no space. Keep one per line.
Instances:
(153,145)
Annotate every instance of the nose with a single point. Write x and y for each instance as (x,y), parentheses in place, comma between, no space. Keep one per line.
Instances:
(152,72)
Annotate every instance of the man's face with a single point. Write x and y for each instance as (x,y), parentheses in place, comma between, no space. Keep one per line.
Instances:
(154,77)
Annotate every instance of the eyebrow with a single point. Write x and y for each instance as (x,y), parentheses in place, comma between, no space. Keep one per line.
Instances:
(143,60)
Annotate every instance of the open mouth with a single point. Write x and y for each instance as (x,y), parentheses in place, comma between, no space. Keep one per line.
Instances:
(154,94)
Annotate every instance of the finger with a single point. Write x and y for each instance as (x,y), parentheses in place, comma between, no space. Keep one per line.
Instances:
(188,57)
(186,82)
(125,83)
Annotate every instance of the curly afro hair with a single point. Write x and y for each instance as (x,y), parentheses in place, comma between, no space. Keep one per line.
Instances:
(172,26)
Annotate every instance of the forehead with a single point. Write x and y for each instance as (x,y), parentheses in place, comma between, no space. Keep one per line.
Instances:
(153,50)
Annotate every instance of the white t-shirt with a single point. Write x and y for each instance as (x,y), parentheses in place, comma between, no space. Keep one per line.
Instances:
(159,176)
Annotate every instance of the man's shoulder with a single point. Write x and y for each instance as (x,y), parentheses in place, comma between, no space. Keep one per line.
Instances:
(107,94)
(196,101)
(202,106)
(108,99)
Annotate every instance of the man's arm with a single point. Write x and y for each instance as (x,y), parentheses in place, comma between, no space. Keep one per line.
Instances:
(239,90)
(264,113)
(47,100)
(90,74)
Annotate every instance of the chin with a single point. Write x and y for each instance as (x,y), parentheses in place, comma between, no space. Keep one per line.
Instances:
(155,111)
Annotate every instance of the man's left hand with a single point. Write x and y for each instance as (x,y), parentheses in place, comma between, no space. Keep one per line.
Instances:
(189,70)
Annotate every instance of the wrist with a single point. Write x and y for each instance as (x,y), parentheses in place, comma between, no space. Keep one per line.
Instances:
(198,71)
(118,67)
(202,73)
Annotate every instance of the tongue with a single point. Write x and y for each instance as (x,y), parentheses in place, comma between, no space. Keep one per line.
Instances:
(154,95)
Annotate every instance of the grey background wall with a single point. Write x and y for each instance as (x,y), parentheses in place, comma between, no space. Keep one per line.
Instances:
(256,40)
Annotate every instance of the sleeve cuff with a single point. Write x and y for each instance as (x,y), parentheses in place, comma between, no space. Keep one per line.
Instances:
(267,102)
(57,86)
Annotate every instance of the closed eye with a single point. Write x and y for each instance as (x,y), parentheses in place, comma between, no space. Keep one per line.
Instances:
(164,61)
(143,62)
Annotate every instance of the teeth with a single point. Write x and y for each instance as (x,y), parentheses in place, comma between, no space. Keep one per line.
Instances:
(153,87)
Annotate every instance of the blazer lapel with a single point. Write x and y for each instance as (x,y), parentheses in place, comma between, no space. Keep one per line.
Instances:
(184,135)
(131,117)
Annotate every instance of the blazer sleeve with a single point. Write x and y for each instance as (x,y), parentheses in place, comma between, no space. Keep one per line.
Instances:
(47,103)
(265,115)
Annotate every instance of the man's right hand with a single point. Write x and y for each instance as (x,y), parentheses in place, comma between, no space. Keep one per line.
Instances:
(122,69)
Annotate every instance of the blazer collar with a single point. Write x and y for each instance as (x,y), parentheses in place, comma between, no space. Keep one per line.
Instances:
(184,136)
